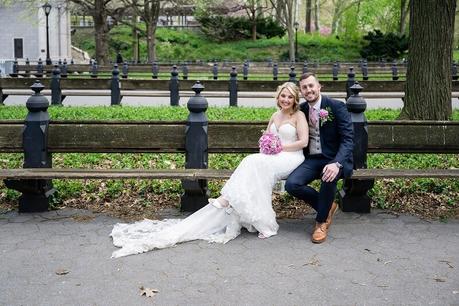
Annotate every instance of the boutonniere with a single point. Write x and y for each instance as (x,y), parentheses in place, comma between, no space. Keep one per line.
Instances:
(325,115)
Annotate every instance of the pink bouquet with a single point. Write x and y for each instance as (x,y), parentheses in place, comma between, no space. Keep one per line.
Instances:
(269,143)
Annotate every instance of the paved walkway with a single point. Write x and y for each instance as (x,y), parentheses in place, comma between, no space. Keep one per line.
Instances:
(63,258)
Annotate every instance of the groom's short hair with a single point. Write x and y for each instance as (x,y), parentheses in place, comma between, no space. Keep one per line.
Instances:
(306,75)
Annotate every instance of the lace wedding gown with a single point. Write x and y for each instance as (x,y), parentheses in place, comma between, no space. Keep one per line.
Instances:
(248,191)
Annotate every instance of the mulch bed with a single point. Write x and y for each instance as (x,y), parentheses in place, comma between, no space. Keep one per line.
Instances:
(131,207)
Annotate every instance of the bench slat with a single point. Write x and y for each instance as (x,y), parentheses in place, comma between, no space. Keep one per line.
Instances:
(193,174)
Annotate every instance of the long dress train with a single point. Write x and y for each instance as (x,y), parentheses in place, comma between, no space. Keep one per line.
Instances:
(248,191)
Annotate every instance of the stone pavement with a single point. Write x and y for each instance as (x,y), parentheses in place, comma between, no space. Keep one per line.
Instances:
(63,258)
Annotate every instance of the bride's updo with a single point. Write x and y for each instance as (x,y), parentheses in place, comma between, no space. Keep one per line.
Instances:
(293,89)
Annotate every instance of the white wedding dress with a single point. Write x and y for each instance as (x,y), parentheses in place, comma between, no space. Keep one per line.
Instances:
(248,191)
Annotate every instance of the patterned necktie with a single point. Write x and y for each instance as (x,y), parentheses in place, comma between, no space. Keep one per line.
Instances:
(312,116)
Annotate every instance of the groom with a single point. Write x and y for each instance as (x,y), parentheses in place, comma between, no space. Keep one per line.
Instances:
(328,155)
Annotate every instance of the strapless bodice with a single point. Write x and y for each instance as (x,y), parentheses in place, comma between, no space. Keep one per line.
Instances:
(286,132)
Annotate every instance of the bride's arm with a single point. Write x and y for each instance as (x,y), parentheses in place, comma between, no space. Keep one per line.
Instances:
(302,130)
(271,120)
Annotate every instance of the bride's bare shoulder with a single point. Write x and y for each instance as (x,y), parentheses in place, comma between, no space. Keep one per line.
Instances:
(275,114)
(299,115)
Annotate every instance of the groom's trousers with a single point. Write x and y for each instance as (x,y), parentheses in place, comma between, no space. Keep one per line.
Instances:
(298,181)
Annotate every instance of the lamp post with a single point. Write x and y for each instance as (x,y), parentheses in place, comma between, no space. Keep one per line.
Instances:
(47,8)
(296,25)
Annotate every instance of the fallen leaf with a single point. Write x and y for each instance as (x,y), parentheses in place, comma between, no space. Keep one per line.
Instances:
(313,262)
(148,292)
(62,272)
(357,283)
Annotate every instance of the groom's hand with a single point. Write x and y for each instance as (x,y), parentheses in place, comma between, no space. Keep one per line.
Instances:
(330,172)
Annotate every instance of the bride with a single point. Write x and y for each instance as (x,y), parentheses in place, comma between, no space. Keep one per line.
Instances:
(246,198)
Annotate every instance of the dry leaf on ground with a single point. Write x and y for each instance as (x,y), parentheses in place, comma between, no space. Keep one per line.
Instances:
(62,271)
(148,292)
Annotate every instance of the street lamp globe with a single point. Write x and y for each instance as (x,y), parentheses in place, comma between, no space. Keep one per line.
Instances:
(47,8)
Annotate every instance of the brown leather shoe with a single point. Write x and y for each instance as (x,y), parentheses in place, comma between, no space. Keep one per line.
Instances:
(331,213)
(320,232)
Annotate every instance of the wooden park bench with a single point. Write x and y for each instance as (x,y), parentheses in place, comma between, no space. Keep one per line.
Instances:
(216,69)
(38,138)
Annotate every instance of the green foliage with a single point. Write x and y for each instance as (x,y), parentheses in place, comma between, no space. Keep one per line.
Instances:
(389,46)
(326,49)
(172,113)
(181,45)
(379,14)
(230,28)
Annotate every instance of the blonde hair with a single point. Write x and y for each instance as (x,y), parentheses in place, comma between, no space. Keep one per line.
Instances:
(294,90)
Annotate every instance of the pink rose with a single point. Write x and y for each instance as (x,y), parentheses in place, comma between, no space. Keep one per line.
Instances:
(270,144)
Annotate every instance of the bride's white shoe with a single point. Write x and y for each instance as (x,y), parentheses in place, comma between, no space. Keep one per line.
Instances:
(218,204)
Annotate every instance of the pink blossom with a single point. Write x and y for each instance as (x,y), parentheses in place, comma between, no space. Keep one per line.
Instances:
(323,113)
(269,143)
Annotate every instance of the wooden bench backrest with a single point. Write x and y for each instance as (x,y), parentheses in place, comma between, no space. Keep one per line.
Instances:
(229,137)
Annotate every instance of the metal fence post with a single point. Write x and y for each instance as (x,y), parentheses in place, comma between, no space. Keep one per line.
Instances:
(125,70)
(353,196)
(39,73)
(185,71)
(27,68)
(115,91)
(14,73)
(365,71)
(64,69)
(196,194)
(350,82)
(215,71)
(154,70)
(233,87)
(335,71)
(35,192)
(454,71)
(292,75)
(394,71)
(275,71)
(245,70)
(305,67)
(56,92)
(94,69)
(174,87)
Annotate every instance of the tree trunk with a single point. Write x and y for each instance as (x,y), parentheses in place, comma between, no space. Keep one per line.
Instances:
(151,41)
(335,19)
(307,28)
(428,85)
(151,15)
(316,16)
(135,38)
(254,30)
(404,9)
(291,43)
(101,32)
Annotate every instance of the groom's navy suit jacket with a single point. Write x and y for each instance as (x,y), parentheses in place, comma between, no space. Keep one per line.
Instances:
(336,135)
